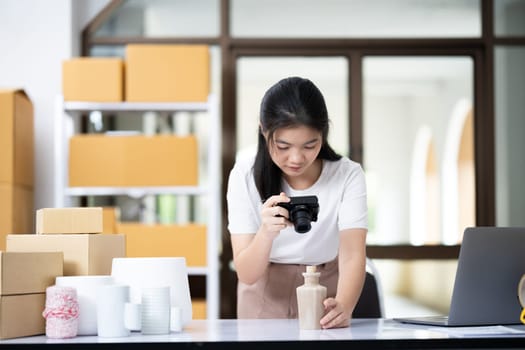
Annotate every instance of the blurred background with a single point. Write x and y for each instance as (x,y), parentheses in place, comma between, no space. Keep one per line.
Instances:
(428,95)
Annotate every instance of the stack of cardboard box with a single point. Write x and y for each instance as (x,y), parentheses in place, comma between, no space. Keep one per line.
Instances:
(16,163)
(77,232)
(24,277)
(68,242)
(148,73)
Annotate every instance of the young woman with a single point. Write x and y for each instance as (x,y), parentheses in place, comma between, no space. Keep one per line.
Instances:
(294,159)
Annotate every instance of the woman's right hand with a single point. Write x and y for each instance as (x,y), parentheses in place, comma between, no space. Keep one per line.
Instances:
(274,218)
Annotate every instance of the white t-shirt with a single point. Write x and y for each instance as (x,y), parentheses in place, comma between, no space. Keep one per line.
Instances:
(341,191)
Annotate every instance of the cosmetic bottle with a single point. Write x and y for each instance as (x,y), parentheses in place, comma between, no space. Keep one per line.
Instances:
(310,297)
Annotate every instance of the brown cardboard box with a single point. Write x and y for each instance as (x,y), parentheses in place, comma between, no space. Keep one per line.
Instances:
(166,160)
(166,240)
(111,216)
(69,220)
(21,315)
(167,73)
(198,307)
(84,254)
(94,79)
(29,272)
(16,211)
(16,139)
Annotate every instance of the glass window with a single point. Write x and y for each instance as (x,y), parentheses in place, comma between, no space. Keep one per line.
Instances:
(509,73)
(417,287)
(509,17)
(355,18)
(107,51)
(163,18)
(418,148)
(257,74)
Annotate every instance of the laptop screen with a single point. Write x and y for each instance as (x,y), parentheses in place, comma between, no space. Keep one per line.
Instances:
(490,265)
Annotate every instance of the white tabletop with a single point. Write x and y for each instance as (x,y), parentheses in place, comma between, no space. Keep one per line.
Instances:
(209,332)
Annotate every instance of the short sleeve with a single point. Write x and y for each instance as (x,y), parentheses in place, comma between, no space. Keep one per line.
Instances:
(354,211)
(242,202)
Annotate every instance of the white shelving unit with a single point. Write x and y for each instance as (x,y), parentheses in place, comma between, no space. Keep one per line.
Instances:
(66,125)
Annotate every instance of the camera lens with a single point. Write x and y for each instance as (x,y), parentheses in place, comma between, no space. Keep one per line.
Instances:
(301,218)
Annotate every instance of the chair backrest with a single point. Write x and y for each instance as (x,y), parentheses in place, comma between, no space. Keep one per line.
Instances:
(370,304)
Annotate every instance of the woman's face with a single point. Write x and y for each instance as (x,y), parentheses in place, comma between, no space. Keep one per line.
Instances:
(295,149)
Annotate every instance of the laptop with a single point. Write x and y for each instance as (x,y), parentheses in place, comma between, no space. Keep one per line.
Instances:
(490,265)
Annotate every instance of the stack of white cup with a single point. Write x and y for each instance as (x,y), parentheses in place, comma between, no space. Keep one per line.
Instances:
(156,310)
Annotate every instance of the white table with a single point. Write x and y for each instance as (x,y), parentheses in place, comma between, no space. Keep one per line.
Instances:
(283,334)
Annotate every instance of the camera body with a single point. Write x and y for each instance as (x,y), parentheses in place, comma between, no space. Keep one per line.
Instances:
(302,211)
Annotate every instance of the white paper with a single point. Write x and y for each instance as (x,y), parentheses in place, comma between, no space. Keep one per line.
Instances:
(477,331)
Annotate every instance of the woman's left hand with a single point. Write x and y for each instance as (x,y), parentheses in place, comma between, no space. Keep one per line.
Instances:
(336,314)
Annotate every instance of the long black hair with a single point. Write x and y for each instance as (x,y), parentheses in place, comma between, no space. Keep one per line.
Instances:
(291,102)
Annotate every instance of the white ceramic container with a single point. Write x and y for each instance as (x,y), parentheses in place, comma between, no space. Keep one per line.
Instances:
(87,287)
(139,273)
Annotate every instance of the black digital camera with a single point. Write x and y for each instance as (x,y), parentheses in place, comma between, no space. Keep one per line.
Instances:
(302,211)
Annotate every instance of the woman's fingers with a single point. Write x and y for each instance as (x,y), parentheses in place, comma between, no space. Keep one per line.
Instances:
(335,314)
(274,217)
(275,200)
(272,208)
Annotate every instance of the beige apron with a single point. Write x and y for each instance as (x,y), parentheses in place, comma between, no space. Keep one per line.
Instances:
(274,294)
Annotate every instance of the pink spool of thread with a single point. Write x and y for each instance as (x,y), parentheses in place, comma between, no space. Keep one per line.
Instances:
(61,312)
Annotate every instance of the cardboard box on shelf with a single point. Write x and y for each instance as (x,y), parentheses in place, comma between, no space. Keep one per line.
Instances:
(198,307)
(84,254)
(16,211)
(69,220)
(165,160)
(16,139)
(166,240)
(167,73)
(29,272)
(96,79)
(21,315)
(111,216)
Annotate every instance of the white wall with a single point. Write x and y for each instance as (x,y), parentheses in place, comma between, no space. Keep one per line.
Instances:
(35,36)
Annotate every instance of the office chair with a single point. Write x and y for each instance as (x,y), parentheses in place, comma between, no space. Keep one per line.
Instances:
(370,304)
